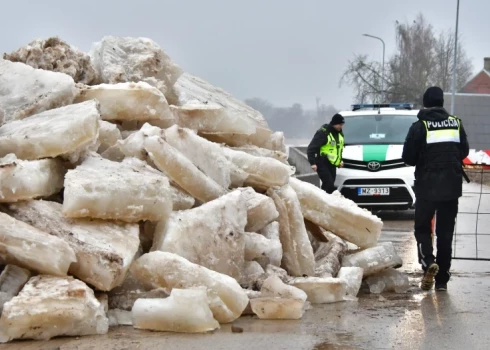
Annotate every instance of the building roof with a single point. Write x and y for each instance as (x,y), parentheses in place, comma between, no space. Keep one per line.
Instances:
(479,84)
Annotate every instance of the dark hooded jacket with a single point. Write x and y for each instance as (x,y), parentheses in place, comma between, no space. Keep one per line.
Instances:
(438,166)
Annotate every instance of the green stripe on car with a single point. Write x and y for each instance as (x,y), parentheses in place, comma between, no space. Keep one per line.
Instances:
(374,152)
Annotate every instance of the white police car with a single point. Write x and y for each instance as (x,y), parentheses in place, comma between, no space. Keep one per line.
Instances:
(374,174)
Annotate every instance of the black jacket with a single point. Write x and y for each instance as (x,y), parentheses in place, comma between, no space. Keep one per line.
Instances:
(438,166)
(319,139)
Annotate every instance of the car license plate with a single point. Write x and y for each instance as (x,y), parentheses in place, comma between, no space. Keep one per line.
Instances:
(373,191)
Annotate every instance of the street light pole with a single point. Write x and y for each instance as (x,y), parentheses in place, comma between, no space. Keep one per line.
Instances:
(383,67)
(455,60)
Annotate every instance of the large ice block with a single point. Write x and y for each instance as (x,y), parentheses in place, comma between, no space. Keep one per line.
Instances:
(109,134)
(335,213)
(27,91)
(185,310)
(193,90)
(274,287)
(126,59)
(375,259)
(100,188)
(263,172)
(24,180)
(263,152)
(12,279)
(51,306)
(56,55)
(56,132)
(263,138)
(261,210)
(352,276)
(321,290)
(328,258)
(104,249)
(297,257)
(167,270)
(181,170)
(211,235)
(278,301)
(207,156)
(128,101)
(210,118)
(273,308)
(271,232)
(389,280)
(26,246)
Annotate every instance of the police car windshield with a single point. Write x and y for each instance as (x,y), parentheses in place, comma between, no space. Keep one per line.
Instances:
(377,129)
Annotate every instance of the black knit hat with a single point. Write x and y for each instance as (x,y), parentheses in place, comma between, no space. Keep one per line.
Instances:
(337,119)
(433,97)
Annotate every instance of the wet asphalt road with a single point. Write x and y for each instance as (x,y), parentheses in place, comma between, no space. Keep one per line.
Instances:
(457,319)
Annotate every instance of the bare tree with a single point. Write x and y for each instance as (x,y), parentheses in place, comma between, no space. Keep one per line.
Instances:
(421,59)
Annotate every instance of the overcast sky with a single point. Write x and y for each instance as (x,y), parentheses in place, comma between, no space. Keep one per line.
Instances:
(285,51)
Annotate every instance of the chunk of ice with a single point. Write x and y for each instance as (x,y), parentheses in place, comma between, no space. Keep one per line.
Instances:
(237,115)
(297,257)
(128,101)
(261,210)
(274,287)
(51,306)
(329,256)
(252,274)
(263,152)
(210,235)
(185,310)
(181,170)
(120,317)
(12,279)
(104,249)
(26,246)
(335,213)
(271,232)
(263,172)
(352,276)
(207,156)
(109,134)
(274,308)
(100,188)
(375,259)
(61,131)
(24,180)
(389,280)
(126,59)
(54,54)
(167,270)
(27,91)
(321,290)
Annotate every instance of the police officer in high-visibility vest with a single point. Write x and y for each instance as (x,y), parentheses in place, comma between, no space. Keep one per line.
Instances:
(325,152)
(436,145)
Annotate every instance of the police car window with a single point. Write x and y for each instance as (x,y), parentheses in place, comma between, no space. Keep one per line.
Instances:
(377,129)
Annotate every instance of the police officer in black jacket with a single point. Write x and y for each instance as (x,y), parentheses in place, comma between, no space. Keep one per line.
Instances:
(325,151)
(436,145)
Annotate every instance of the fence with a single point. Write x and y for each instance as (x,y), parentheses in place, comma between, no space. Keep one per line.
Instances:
(472,232)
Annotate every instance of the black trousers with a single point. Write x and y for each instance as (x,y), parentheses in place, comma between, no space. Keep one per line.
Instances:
(327,173)
(446,213)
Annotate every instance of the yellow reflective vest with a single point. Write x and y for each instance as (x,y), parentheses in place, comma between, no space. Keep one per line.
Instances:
(333,150)
(442,131)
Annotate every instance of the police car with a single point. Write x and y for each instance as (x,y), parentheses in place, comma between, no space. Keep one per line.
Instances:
(374,174)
